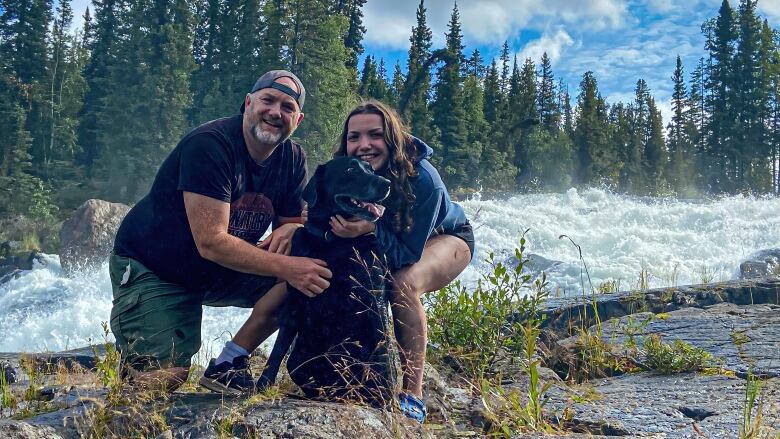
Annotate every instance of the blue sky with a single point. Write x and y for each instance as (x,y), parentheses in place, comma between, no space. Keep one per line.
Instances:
(619,40)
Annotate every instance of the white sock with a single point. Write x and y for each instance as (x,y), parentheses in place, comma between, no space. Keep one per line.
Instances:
(229,352)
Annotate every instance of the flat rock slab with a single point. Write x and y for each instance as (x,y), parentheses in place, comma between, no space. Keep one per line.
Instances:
(672,406)
(573,312)
(739,337)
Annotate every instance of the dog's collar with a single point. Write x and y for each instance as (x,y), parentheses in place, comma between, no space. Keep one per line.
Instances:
(319,232)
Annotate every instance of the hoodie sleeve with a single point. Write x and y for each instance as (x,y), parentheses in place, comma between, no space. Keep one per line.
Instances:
(401,248)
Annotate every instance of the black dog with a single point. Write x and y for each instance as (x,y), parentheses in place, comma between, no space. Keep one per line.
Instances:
(342,347)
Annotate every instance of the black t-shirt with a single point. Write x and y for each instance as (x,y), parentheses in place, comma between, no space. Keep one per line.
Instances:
(211,160)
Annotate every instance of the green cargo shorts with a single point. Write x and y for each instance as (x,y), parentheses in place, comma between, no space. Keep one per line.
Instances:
(157,323)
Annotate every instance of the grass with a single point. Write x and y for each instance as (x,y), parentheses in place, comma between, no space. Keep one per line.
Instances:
(675,357)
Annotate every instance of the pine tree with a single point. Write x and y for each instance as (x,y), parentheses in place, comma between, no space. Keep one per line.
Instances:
(549,113)
(634,178)
(353,40)
(679,145)
(372,85)
(396,86)
(524,115)
(495,168)
(319,58)
(721,127)
(750,148)
(418,80)
(274,37)
(654,157)
(475,65)
(591,132)
(504,58)
(153,68)
(448,111)
(99,86)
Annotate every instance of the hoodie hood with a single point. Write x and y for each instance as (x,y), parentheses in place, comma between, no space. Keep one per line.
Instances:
(424,152)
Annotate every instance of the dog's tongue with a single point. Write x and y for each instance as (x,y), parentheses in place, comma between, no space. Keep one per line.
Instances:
(375,209)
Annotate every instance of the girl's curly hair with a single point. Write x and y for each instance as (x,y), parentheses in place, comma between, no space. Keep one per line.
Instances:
(399,168)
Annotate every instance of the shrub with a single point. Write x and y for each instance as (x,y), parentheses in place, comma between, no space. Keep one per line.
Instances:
(674,358)
(469,329)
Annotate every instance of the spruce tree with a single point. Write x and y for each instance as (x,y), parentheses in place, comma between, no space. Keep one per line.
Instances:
(274,38)
(591,133)
(679,144)
(418,80)
(721,126)
(448,112)
(103,55)
(396,85)
(319,58)
(654,156)
(549,113)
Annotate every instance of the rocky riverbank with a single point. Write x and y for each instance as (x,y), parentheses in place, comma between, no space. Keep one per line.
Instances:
(737,324)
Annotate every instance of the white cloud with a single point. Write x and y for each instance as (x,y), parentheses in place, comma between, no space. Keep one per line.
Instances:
(488,21)
(771,10)
(554,44)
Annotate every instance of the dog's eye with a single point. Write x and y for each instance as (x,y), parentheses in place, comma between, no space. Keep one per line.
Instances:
(352,170)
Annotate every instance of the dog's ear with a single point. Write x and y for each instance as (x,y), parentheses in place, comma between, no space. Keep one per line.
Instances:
(311,190)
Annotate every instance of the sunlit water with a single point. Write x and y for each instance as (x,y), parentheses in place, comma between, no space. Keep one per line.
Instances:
(675,242)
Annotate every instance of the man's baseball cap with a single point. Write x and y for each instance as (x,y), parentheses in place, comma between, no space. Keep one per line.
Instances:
(268,80)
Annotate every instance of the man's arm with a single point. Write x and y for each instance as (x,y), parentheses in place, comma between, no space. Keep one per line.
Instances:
(209,217)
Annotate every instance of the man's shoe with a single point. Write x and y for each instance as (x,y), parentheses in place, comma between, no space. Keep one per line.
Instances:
(234,378)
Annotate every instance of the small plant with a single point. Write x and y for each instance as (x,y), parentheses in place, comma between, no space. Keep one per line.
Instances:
(509,416)
(608,286)
(107,367)
(676,357)
(751,424)
(469,329)
(706,274)
(643,283)
(7,399)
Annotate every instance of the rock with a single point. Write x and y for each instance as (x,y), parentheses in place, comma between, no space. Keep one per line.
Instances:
(761,264)
(576,312)
(9,373)
(88,235)
(672,406)
(22,430)
(13,259)
(740,337)
(315,420)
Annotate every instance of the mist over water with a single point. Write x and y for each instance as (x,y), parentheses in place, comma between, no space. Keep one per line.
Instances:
(676,242)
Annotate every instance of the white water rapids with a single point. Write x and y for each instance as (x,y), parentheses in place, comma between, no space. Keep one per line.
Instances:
(676,242)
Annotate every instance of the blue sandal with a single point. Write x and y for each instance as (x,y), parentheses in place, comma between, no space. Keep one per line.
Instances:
(412,407)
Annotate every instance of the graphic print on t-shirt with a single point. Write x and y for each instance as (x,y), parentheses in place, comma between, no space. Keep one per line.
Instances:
(250,216)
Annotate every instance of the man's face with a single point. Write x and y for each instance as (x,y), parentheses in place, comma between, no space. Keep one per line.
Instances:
(272,115)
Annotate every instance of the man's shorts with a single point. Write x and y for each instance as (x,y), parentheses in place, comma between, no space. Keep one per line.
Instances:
(157,323)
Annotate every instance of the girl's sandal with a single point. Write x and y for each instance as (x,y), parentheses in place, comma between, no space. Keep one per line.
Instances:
(412,407)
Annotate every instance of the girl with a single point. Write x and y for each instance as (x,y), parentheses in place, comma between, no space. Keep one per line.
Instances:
(425,237)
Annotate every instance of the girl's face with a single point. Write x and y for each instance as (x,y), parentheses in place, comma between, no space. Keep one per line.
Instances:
(366,140)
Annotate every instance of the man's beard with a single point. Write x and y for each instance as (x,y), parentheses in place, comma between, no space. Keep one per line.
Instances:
(266,137)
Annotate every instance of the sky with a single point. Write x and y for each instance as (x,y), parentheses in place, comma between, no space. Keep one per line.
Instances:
(619,40)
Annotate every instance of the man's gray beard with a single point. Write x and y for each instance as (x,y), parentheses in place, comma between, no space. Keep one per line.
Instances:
(265,137)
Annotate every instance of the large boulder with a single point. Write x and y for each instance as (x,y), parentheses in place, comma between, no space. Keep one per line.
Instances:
(88,236)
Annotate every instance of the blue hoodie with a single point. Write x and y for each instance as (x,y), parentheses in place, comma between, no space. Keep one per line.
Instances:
(432,210)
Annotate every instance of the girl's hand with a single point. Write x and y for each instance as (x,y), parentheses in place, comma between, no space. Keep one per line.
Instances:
(352,228)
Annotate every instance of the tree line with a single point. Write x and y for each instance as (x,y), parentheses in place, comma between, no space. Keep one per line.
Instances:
(93,112)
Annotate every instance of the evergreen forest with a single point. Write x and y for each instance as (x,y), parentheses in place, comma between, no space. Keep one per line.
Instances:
(92,112)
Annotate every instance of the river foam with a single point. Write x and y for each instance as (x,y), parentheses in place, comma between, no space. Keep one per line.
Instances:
(675,242)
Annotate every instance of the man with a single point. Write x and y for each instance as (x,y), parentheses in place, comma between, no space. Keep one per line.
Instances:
(192,241)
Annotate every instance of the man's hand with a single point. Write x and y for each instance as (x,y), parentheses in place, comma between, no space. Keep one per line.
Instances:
(307,275)
(280,240)
(352,228)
